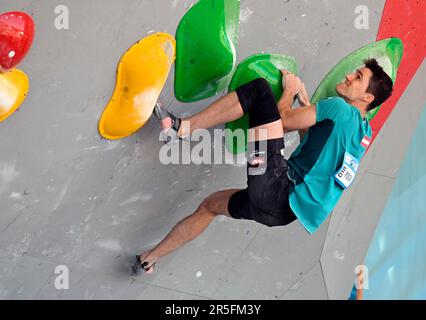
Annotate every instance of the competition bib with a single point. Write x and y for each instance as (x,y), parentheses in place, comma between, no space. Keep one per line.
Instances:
(346,175)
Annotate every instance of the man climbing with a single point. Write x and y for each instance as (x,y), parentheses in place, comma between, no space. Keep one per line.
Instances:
(334,137)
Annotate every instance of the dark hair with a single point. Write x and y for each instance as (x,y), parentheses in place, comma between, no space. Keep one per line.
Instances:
(380,86)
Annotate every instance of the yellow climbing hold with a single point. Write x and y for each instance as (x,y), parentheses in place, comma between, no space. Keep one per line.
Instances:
(141,75)
(14,87)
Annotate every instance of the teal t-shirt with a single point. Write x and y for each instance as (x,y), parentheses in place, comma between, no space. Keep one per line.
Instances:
(340,128)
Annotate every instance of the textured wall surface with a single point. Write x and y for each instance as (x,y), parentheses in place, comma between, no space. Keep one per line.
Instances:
(70,198)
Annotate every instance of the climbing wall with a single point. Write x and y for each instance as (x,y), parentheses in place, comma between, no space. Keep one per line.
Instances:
(71,198)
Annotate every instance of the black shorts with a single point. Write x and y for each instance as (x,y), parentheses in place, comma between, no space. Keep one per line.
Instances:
(266,198)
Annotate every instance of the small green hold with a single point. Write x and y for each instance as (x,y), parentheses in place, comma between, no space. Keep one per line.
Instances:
(265,66)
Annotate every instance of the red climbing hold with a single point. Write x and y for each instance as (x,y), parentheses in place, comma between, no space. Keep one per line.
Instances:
(406,21)
(16,37)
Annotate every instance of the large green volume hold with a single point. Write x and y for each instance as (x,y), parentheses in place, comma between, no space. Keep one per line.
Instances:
(206,49)
(388,53)
(265,66)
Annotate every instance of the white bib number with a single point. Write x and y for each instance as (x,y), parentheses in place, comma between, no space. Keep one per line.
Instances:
(346,175)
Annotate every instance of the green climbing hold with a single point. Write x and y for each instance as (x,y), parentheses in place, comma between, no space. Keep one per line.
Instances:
(206,49)
(388,53)
(265,66)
